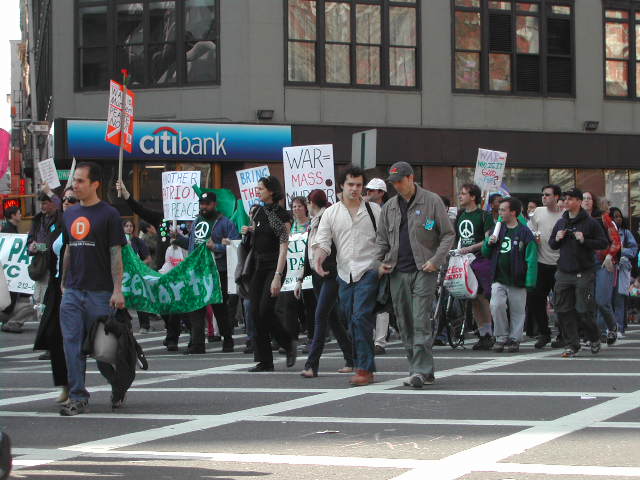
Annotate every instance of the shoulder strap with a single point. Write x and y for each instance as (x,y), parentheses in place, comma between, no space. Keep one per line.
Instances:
(373,219)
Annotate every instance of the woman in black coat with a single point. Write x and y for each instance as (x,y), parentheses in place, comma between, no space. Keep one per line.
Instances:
(49,336)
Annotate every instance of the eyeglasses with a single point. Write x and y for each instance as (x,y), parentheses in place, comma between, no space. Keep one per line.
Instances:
(70,199)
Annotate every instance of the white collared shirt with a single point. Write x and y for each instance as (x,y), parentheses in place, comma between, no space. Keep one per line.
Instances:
(355,239)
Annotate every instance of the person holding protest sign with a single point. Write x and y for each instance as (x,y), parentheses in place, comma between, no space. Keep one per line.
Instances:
(141,249)
(216,231)
(326,292)
(13,217)
(91,275)
(473,225)
(49,336)
(514,269)
(156,220)
(299,311)
(270,228)
(413,240)
(350,225)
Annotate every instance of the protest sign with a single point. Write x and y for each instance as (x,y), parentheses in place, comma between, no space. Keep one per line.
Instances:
(15,258)
(248,181)
(308,168)
(295,262)
(232,263)
(190,286)
(489,169)
(116,119)
(179,200)
(48,173)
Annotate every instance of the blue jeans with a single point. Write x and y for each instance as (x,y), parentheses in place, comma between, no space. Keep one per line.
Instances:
(620,309)
(604,299)
(357,301)
(78,310)
(326,291)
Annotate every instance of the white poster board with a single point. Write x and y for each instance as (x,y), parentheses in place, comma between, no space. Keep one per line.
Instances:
(489,169)
(15,258)
(179,200)
(295,262)
(232,263)
(48,173)
(248,181)
(308,168)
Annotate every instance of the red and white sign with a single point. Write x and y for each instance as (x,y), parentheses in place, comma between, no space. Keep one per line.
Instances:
(116,119)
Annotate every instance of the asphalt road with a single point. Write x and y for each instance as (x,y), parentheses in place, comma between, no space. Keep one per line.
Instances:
(531,415)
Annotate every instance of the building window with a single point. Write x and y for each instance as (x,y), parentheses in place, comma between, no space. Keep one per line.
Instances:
(622,49)
(358,43)
(160,43)
(513,47)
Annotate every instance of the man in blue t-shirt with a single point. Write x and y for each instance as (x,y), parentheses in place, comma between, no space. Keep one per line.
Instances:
(91,275)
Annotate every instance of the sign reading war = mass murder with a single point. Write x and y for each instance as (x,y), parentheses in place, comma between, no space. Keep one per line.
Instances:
(307,168)
(118,118)
(489,169)
(179,200)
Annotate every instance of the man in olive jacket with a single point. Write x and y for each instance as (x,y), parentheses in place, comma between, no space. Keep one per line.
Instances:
(413,239)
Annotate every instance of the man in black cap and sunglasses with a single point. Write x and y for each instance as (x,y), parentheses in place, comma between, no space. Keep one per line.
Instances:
(577,236)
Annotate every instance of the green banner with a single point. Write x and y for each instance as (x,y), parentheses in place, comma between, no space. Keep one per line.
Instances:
(192,285)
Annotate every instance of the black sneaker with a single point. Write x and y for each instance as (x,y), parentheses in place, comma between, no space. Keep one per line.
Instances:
(227,345)
(558,342)
(484,343)
(513,347)
(440,342)
(73,408)
(498,347)
(416,381)
(542,341)
(595,347)
(612,336)
(378,350)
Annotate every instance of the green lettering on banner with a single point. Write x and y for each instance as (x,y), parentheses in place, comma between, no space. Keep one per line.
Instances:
(190,286)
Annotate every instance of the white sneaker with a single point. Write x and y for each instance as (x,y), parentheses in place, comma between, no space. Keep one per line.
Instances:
(620,335)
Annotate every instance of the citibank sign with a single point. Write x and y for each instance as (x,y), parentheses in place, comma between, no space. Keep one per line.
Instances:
(170,141)
(181,141)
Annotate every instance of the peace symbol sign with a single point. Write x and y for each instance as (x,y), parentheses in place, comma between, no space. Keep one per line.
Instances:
(201,230)
(466,229)
(506,245)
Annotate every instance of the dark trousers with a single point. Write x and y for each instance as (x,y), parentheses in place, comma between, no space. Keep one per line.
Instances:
(14,299)
(537,299)
(197,318)
(144,319)
(174,327)
(264,313)
(575,305)
(58,363)
(326,292)
(299,314)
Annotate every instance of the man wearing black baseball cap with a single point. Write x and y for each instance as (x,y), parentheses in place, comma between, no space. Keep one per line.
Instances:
(577,236)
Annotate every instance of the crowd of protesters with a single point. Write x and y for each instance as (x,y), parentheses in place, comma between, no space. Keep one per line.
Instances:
(374,260)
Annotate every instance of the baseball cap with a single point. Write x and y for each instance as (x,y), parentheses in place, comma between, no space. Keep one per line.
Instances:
(376,184)
(208,197)
(399,170)
(574,193)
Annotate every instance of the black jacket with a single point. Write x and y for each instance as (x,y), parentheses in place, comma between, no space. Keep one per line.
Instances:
(578,257)
(154,218)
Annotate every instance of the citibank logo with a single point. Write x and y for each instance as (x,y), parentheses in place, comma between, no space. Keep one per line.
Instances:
(169,141)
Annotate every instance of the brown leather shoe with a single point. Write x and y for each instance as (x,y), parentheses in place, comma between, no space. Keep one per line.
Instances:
(361,378)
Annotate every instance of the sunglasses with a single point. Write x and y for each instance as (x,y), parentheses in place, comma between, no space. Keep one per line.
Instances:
(70,199)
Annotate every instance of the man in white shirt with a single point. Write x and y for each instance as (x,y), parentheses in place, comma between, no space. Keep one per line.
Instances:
(351,226)
(541,223)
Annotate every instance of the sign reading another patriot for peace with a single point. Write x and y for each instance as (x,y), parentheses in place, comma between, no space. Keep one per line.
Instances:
(308,168)
(15,259)
(179,200)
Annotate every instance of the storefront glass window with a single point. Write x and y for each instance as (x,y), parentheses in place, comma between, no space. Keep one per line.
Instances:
(617,189)
(564,177)
(634,198)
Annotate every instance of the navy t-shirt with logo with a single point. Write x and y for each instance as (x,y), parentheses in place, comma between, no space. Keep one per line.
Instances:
(91,232)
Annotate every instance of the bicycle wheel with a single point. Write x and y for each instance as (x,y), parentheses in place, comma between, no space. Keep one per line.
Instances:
(456,325)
